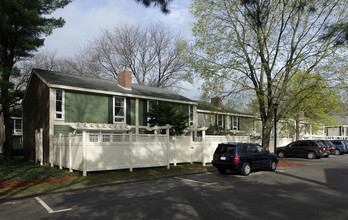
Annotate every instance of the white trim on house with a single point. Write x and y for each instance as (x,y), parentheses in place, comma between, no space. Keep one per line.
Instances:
(17,132)
(62,112)
(52,111)
(124,117)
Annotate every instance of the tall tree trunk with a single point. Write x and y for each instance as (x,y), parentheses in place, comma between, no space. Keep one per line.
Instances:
(8,151)
(266,132)
(6,71)
(297,125)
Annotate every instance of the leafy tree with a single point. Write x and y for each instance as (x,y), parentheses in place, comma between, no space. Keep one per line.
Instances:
(162,114)
(23,26)
(339,31)
(162,3)
(315,98)
(259,46)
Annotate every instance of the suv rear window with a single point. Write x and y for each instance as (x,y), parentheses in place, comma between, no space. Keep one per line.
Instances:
(329,143)
(321,144)
(226,148)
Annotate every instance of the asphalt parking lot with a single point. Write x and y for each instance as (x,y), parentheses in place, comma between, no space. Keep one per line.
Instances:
(316,190)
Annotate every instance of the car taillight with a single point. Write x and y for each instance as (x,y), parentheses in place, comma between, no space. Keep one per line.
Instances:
(319,148)
(236,158)
(214,157)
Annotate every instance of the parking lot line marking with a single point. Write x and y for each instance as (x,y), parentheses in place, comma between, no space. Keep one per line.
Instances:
(189,181)
(49,210)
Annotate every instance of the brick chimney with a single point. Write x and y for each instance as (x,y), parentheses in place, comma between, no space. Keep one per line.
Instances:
(216,102)
(125,79)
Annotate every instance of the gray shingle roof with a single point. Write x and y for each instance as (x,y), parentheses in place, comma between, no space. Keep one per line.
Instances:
(59,78)
(209,107)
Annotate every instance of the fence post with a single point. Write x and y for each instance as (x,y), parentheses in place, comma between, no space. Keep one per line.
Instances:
(70,159)
(36,144)
(41,146)
(174,150)
(168,147)
(60,150)
(84,152)
(130,152)
(51,150)
(203,143)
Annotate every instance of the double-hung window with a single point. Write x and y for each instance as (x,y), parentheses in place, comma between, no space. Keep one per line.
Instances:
(119,109)
(234,123)
(59,104)
(220,121)
(16,125)
(191,115)
(150,104)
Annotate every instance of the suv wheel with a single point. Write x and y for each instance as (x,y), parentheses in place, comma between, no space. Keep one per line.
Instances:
(222,170)
(311,155)
(273,165)
(337,152)
(281,154)
(246,169)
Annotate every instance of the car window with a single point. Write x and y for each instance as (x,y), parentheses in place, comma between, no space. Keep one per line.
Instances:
(329,143)
(292,145)
(260,149)
(295,144)
(306,143)
(244,149)
(321,144)
(253,149)
(225,148)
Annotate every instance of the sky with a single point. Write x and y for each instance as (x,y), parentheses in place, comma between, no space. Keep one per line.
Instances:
(85,20)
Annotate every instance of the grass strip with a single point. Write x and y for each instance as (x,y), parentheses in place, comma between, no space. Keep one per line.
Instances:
(27,172)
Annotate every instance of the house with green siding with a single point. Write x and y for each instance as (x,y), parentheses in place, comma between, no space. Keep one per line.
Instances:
(58,102)
(229,121)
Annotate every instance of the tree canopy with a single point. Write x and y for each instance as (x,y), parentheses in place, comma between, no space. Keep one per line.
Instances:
(261,46)
(162,114)
(162,3)
(24,24)
(152,53)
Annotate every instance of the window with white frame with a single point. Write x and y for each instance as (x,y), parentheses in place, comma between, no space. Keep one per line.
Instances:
(234,123)
(59,104)
(191,115)
(220,121)
(17,125)
(119,109)
(341,131)
(150,104)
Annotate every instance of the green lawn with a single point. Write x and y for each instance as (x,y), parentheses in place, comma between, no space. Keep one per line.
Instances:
(27,171)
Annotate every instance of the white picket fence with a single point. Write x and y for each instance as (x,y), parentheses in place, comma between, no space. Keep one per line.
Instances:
(102,151)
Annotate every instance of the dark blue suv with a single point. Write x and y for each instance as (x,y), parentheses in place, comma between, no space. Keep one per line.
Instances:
(243,157)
